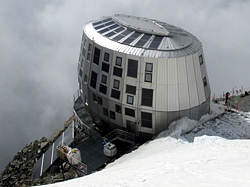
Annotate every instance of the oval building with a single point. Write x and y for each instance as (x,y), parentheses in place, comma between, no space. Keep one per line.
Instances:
(140,74)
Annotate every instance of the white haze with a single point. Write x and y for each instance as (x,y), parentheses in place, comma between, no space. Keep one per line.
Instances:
(40,44)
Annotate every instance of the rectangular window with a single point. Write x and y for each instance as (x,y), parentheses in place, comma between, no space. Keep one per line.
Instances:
(118,61)
(118,108)
(89,48)
(105,67)
(149,67)
(130,99)
(99,100)
(80,73)
(104,79)
(132,68)
(201,59)
(83,51)
(103,89)
(106,57)
(116,84)
(130,89)
(94,97)
(97,53)
(146,119)
(112,114)
(88,57)
(148,77)
(147,97)
(115,94)
(93,79)
(205,81)
(129,112)
(148,70)
(105,112)
(85,78)
(117,71)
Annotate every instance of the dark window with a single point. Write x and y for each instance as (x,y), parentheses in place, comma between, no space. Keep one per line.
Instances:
(149,67)
(201,59)
(205,81)
(85,78)
(132,68)
(94,97)
(117,71)
(130,89)
(143,40)
(106,57)
(147,97)
(83,51)
(104,79)
(88,57)
(156,42)
(103,31)
(115,94)
(146,119)
(105,111)
(96,56)
(89,48)
(99,100)
(131,38)
(116,84)
(93,79)
(118,61)
(110,34)
(105,67)
(130,99)
(112,114)
(103,89)
(148,77)
(118,108)
(129,112)
(80,73)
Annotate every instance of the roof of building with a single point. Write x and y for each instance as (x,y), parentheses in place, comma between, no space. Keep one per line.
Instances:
(141,36)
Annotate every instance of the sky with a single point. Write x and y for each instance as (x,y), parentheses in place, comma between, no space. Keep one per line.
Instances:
(215,153)
(40,45)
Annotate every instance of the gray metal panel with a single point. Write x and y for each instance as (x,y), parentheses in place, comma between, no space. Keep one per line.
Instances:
(161,122)
(181,70)
(194,113)
(171,116)
(173,98)
(192,89)
(202,110)
(183,97)
(162,98)
(199,78)
(185,113)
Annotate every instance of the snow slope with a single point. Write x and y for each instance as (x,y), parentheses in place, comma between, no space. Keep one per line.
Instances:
(206,156)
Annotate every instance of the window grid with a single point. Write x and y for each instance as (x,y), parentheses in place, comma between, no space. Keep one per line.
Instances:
(116,84)
(130,99)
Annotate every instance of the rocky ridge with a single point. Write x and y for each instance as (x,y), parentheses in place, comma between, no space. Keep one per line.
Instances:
(19,171)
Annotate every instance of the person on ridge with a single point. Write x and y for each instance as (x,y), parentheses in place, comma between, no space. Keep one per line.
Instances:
(227,95)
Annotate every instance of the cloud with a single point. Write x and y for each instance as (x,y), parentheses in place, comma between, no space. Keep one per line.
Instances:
(40,44)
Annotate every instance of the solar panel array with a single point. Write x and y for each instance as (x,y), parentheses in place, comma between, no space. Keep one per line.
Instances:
(124,34)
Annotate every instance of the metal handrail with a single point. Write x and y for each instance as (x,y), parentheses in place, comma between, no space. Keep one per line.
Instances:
(85,127)
(121,135)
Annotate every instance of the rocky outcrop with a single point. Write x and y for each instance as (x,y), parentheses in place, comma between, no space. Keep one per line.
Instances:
(19,171)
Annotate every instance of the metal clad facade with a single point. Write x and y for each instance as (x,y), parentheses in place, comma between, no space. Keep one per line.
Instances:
(192,89)
(176,85)
(199,78)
